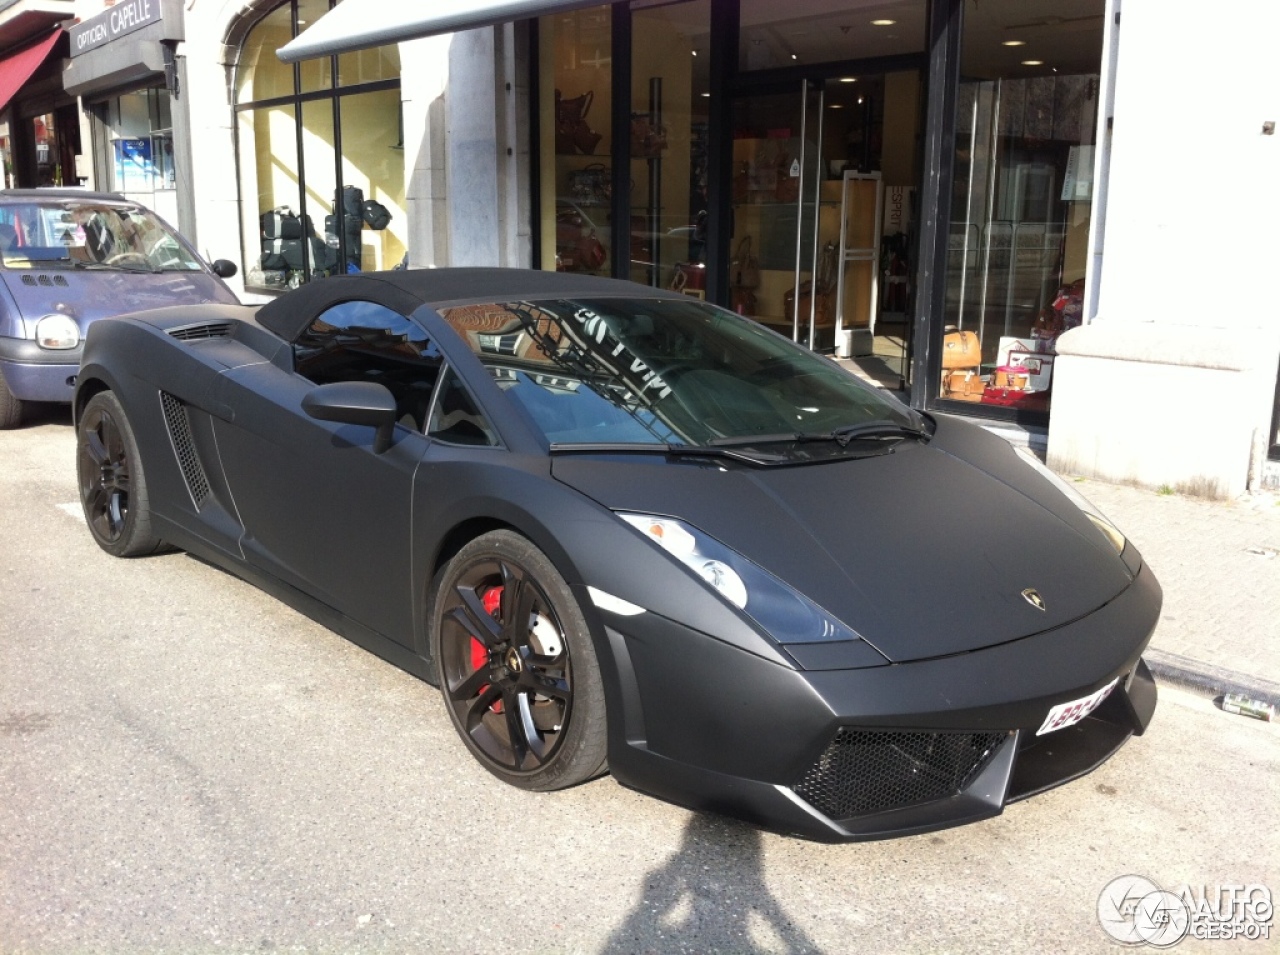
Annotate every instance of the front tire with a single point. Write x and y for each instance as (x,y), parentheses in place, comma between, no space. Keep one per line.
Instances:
(12,408)
(113,485)
(517,667)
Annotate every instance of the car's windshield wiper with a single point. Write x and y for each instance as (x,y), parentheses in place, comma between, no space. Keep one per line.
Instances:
(675,450)
(103,266)
(867,430)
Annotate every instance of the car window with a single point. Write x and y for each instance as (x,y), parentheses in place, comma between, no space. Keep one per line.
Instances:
(73,233)
(456,417)
(668,371)
(365,341)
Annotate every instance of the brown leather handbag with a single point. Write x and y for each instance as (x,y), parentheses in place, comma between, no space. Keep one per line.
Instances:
(572,132)
(961,349)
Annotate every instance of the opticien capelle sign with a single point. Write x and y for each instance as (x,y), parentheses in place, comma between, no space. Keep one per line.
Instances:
(121,19)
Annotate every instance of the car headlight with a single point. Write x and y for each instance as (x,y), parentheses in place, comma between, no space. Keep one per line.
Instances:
(57,332)
(1100,521)
(787,616)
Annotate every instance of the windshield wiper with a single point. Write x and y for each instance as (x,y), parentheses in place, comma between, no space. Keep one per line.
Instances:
(103,266)
(870,429)
(675,450)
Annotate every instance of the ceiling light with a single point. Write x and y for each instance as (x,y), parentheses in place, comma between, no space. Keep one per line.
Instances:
(836,106)
(694,52)
(883,23)
(859,100)
(1014,43)
(848,79)
(706,96)
(794,57)
(1033,62)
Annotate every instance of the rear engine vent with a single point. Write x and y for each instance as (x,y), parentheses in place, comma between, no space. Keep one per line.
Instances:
(45,280)
(201,332)
(864,771)
(175,417)
(28,280)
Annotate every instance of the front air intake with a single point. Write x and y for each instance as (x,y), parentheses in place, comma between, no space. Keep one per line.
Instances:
(866,771)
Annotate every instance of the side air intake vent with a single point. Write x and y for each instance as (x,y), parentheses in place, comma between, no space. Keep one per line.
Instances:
(45,280)
(201,332)
(865,771)
(175,417)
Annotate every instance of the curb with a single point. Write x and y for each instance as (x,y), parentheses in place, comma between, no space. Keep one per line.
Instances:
(1206,679)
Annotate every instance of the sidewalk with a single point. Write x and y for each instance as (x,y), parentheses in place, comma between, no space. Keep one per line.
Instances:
(1219,565)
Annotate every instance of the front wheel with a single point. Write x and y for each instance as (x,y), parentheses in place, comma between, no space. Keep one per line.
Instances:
(517,667)
(11,407)
(113,487)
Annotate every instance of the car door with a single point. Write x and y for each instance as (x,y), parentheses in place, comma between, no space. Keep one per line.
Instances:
(320,509)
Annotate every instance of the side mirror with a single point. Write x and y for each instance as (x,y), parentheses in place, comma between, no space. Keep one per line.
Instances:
(355,402)
(223,268)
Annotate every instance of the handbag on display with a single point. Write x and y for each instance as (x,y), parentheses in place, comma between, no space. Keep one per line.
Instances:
(592,185)
(578,248)
(821,288)
(746,267)
(648,139)
(572,132)
(742,300)
(962,385)
(961,349)
(691,276)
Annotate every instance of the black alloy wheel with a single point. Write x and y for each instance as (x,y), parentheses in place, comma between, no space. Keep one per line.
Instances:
(517,667)
(113,489)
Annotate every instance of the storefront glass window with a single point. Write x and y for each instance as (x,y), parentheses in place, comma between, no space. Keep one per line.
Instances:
(575,114)
(775,35)
(260,74)
(327,169)
(140,134)
(668,145)
(1023,195)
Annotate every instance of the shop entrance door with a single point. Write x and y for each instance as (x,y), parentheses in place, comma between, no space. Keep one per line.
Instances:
(822,239)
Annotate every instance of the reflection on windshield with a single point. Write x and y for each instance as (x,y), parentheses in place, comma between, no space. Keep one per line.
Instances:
(621,371)
(90,235)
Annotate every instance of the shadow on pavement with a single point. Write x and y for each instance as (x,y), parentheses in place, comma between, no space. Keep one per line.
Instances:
(710,896)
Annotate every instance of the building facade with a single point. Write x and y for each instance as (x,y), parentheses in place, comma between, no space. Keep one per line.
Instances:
(1005,209)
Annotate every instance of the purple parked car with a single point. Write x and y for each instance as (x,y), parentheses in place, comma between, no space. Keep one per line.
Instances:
(69,257)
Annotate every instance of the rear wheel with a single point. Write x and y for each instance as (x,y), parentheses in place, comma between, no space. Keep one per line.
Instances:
(517,668)
(113,487)
(11,407)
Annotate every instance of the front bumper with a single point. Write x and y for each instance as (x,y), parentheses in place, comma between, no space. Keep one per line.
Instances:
(33,373)
(884,751)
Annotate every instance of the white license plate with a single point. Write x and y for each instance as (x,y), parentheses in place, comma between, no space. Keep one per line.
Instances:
(1069,714)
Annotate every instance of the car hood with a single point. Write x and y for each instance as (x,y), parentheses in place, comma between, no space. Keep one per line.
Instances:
(921,551)
(87,295)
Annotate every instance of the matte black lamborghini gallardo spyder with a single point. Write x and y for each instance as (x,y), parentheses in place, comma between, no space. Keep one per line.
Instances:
(625,530)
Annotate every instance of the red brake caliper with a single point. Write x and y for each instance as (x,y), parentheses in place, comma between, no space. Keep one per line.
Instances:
(492,601)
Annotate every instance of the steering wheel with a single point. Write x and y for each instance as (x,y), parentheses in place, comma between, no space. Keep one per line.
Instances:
(128,260)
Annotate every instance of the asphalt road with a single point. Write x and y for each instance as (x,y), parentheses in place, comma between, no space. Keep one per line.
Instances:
(188,766)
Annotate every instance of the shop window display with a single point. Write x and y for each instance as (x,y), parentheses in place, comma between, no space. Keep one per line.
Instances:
(326,166)
(575,107)
(1022,201)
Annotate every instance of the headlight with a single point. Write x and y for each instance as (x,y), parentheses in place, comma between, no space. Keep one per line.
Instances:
(1109,530)
(57,331)
(787,616)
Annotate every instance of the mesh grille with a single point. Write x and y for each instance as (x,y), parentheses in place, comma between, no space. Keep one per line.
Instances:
(195,333)
(44,280)
(865,771)
(175,417)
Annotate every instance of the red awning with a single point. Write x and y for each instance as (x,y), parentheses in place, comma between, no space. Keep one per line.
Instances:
(17,69)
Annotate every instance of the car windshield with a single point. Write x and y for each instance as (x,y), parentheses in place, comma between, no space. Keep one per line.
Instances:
(679,374)
(73,233)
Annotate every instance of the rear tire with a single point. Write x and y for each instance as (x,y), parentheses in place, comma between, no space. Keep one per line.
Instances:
(517,666)
(12,408)
(113,485)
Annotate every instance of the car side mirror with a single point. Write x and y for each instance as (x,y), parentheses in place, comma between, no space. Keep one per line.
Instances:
(223,268)
(355,402)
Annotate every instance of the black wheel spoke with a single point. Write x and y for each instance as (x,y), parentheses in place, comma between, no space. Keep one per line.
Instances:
(555,686)
(469,614)
(478,707)
(516,597)
(111,439)
(515,730)
(96,450)
(471,685)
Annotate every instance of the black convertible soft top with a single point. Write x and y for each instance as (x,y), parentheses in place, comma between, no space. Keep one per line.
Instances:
(406,291)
